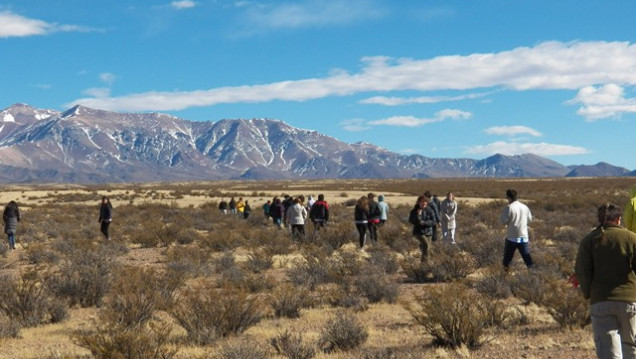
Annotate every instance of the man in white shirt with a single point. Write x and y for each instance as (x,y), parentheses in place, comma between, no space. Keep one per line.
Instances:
(516,216)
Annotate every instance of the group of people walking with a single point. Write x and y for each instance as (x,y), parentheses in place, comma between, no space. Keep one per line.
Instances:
(240,207)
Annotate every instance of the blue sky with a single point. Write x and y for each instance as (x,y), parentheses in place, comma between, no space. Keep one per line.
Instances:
(460,79)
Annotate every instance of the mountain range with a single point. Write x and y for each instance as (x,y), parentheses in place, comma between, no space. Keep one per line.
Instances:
(84,145)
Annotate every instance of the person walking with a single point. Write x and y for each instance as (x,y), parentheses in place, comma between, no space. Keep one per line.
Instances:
(240,207)
(11,217)
(422,217)
(105,216)
(433,205)
(448,211)
(295,215)
(223,206)
(232,205)
(605,269)
(319,213)
(516,217)
(361,218)
(629,213)
(277,211)
(266,207)
(384,210)
(246,209)
(374,217)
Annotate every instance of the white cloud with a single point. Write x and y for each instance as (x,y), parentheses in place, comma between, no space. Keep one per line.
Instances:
(550,65)
(107,78)
(412,121)
(183,4)
(13,25)
(354,125)
(607,101)
(397,101)
(309,13)
(98,92)
(512,131)
(515,148)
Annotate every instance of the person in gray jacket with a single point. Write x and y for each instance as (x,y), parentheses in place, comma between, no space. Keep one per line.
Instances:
(448,211)
(295,216)
(11,217)
(516,217)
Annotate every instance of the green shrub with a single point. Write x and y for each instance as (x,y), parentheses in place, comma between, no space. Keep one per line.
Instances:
(342,332)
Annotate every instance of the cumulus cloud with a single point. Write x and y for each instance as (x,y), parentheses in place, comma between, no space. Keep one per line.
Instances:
(309,13)
(600,102)
(183,4)
(512,131)
(515,148)
(549,65)
(14,25)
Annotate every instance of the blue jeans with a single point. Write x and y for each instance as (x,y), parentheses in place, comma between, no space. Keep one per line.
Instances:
(11,240)
(614,328)
(509,252)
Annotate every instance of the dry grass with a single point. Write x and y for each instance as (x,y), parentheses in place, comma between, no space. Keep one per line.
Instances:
(208,252)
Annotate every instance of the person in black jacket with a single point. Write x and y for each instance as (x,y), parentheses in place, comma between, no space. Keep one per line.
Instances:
(361,217)
(374,217)
(11,217)
(105,216)
(422,217)
(319,212)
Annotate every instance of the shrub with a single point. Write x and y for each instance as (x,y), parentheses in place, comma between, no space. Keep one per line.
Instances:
(456,315)
(26,298)
(113,342)
(207,314)
(342,332)
(287,301)
(309,272)
(85,274)
(291,346)
(377,287)
(188,260)
(566,305)
(531,287)
(9,328)
(495,286)
(449,263)
(259,261)
(416,271)
(241,350)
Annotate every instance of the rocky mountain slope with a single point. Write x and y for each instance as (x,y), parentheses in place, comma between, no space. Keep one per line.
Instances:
(88,145)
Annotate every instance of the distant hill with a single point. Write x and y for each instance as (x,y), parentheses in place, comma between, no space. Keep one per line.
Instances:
(601,169)
(85,145)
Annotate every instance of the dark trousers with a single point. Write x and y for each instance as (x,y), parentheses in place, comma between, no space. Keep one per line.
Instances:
(362,232)
(509,252)
(373,231)
(298,230)
(104,228)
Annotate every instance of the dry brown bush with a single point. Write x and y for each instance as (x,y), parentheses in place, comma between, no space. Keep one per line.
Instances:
(288,300)
(342,332)
(292,346)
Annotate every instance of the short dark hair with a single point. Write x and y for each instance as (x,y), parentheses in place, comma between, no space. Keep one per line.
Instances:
(321,197)
(512,194)
(428,194)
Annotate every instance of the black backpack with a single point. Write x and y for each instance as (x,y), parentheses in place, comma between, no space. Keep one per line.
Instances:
(318,211)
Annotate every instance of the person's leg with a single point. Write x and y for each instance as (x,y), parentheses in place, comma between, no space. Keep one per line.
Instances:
(509,252)
(451,234)
(104,229)
(627,328)
(605,328)
(11,240)
(524,250)
(362,233)
(425,242)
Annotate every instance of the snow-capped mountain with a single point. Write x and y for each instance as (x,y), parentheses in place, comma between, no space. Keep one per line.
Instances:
(88,145)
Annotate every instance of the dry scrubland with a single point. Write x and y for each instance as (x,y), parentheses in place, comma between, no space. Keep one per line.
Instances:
(181,281)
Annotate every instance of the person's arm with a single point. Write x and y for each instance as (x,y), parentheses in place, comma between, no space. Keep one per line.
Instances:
(584,269)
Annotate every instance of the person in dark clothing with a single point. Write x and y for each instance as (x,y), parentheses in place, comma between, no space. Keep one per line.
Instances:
(422,217)
(105,216)
(223,206)
(266,209)
(361,217)
(232,205)
(374,217)
(11,217)
(435,207)
(287,202)
(246,210)
(277,211)
(319,212)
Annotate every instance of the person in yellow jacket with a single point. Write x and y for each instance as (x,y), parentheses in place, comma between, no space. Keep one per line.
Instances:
(629,218)
(240,207)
